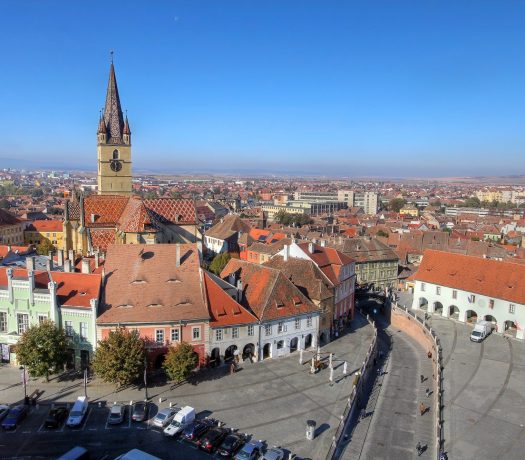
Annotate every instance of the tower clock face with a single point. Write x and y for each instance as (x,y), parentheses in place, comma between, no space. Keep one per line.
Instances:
(115,165)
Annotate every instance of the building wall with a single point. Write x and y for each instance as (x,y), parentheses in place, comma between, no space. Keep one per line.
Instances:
(109,181)
(380,273)
(228,340)
(78,343)
(481,304)
(35,237)
(12,234)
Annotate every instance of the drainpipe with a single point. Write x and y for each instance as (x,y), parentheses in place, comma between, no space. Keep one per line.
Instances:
(10,284)
(52,286)
(31,280)
(94,305)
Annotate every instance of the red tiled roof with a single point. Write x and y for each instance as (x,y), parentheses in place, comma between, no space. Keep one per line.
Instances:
(6,218)
(45,226)
(41,277)
(172,210)
(267,292)
(104,209)
(499,280)
(102,238)
(4,249)
(329,260)
(77,289)
(143,284)
(224,310)
(135,218)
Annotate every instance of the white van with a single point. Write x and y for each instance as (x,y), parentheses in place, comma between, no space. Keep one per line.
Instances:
(77,413)
(481,330)
(181,420)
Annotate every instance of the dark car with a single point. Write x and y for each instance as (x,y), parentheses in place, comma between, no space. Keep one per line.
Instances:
(3,411)
(139,412)
(196,429)
(231,444)
(212,439)
(55,417)
(14,417)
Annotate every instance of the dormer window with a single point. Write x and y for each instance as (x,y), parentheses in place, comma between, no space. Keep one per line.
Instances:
(115,154)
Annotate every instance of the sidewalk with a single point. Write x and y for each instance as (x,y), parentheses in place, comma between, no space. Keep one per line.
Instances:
(271,400)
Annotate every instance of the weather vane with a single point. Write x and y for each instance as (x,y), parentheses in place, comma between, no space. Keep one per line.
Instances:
(111,56)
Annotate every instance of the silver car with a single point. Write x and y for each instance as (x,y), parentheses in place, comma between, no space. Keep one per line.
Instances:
(116,414)
(165,416)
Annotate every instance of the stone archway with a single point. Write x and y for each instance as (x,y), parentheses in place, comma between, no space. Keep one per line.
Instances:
(471,316)
(267,351)
(159,361)
(215,357)
(491,318)
(230,353)
(308,341)
(438,308)
(423,304)
(453,312)
(510,328)
(248,351)
(294,344)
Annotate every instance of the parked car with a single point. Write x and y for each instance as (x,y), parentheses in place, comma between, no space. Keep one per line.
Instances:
(55,417)
(165,416)
(231,444)
(212,439)
(116,414)
(274,454)
(139,411)
(3,411)
(181,420)
(14,417)
(78,412)
(196,429)
(250,451)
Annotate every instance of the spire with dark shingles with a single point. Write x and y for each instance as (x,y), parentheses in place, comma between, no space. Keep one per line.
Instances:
(113,119)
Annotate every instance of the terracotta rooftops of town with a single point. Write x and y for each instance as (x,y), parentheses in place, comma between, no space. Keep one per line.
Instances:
(144,284)
(45,226)
(496,279)
(329,260)
(366,249)
(224,309)
(4,249)
(227,227)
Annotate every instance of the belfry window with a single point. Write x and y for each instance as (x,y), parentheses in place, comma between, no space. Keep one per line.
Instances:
(115,154)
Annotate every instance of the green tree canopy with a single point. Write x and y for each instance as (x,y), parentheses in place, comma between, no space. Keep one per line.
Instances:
(5,204)
(44,247)
(119,358)
(472,202)
(219,262)
(382,233)
(396,204)
(286,218)
(42,349)
(180,361)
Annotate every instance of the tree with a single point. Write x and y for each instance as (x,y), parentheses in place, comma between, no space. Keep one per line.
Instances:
(180,361)
(42,349)
(382,233)
(219,262)
(395,204)
(472,202)
(37,193)
(5,204)
(119,358)
(44,247)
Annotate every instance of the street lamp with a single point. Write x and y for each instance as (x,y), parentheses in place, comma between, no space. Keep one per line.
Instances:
(23,369)
(145,378)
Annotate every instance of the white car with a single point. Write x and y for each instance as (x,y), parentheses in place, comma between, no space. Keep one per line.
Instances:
(165,416)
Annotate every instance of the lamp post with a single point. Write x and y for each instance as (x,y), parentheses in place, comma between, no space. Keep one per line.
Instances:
(24,381)
(145,378)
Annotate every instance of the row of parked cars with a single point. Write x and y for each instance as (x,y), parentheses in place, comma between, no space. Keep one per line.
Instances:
(210,436)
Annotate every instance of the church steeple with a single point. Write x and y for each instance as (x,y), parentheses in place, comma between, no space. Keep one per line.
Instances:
(113,118)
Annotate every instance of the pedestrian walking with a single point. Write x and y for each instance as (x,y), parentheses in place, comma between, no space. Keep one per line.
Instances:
(422,409)
(427,391)
(422,378)
(418,449)
(429,354)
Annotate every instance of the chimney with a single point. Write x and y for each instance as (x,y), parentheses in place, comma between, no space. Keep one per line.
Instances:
(85,266)
(30,263)
(52,286)
(67,266)
(9,248)
(239,291)
(286,252)
(97,259)
(177,255)
(323,243)
(60,257)
(10,284)
(49,264)
(31,279)
(72,256)
(311,248)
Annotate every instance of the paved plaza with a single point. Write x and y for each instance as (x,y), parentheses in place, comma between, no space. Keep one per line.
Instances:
(270,401)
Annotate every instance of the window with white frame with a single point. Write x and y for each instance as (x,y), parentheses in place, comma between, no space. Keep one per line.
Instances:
(218,335)
(23,322)
(438,290)
(196,333)
(308,321)
(297,323)
(422,287)
(41,318)
(267,329)
(251,330)
(159,335)
(3,321)
(454,294)
(175,335)
(68,328)
(491,303)
(235,332)
(280,327)
(512,308)
(83,331)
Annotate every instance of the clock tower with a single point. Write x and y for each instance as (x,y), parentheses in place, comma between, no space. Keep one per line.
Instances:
(113,145)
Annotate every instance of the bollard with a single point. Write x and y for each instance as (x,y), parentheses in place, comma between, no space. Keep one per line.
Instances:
(330,361)
(344,368)
(331,376)
(310,430)
(114,403)
(312,368)
(171,404)
(301,356)
(99,404)
(131,403)
(160,399)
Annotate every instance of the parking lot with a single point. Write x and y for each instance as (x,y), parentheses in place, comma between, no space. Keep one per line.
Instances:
(104,441)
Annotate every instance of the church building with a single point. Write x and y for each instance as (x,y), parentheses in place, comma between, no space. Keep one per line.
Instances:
(115,215)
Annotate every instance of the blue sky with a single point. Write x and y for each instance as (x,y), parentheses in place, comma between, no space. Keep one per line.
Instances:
(351,88)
